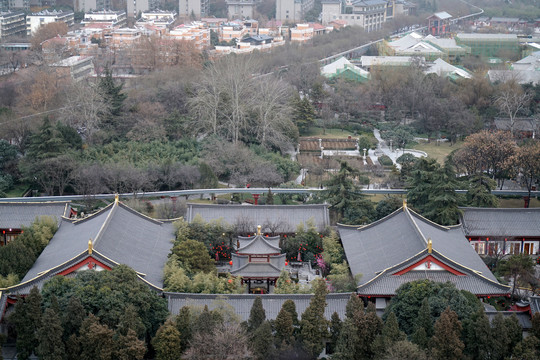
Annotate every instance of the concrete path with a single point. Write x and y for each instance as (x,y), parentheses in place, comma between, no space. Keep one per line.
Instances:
(382,147)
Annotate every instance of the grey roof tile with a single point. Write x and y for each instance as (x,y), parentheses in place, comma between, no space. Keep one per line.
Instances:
(18,214)
(242,303)
(402,237)
(273,218)
(258,246)
(118,233)
(501,222)
(252,270)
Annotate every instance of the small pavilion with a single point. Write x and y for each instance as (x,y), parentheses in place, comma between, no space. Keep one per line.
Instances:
(258,260)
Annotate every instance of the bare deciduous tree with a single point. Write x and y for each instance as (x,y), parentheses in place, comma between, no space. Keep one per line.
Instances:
(512,100)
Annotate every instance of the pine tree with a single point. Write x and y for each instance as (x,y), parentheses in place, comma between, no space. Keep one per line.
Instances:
(446,340)
(73,317)
(261,345)
(369,326)
(353,305)
(346,198)
(183,324)
(257,315)
(477,336)
(131,321)
(284,329)
(129,347)
(27,321)
(347,342)
(479,192)
(51,346)
(313,326)
(389,335)
(270,197)
(536,325)
(96,340)
(423,327)
(290,306)
(443,200)
(167,342)
(335,330)
(303,113)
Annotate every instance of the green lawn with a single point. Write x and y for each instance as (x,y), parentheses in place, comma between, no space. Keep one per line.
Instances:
(517,203)
(330,133)
(439,152)
(17,191)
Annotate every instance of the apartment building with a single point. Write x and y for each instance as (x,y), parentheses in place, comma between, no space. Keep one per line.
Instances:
(125,37)
(91,5)
(74,68)
(302,33)
(241,9)
(35,20)
(159,17)
(193,8)
(292,10)
(115,18)
(12,23)
(369,14)
(134,7)
(230,31)
(195,32)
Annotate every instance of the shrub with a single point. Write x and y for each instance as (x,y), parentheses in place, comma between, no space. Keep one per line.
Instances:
(385,160)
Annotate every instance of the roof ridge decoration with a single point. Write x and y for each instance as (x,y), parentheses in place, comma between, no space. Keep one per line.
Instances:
(90,247)
(415,225)
(239,250)
(107,220)
(93,215)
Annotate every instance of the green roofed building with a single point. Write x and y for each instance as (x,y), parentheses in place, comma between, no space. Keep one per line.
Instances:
(343,68)
(489,45)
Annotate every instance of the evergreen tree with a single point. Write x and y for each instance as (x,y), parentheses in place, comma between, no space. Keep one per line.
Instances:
(353,305)
(443,200)
(419,182)
(303,113)
(97,340)
(183,324)
(261,345)
(404,350)
(528,349)
(335,330)
(479,192)
(131,321)
(477,336)
(129,347)
(284,329)
(73,317)
(290,306)
(446,340)
(389,335)
(112,93)
(347,342)
(536,325)
(167,342)
(27,320)
(51,346)
(73,347)
(206,322)
(423,327)
(313,326)
(257,315)
(270,198)
(369,326)
(346,198)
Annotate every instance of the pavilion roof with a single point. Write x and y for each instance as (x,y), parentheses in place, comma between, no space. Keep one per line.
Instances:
(119,235)
(259,246)
(379,250)
(257,270)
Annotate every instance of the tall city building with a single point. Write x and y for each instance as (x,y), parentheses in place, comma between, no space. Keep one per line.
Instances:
(292,10)
(195,8)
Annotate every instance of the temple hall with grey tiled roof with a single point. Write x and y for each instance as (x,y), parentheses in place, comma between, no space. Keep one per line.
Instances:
(114,235)
(508,231)
(16,215)
(275,219)
(405,246)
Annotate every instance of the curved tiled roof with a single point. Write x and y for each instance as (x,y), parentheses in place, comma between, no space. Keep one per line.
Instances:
(258,246)
(400,238)
(272,218)
(18,214)
(242,303)
(119,234)
(501,222)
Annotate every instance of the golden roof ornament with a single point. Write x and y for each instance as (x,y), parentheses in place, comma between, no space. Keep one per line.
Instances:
(404,203)
(259,229)
(116,198)
(90,247)
(429,246)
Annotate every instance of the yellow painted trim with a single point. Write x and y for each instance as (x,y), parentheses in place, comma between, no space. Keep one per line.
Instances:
(35,202)
(429,221)
(406,211)
(105,223)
